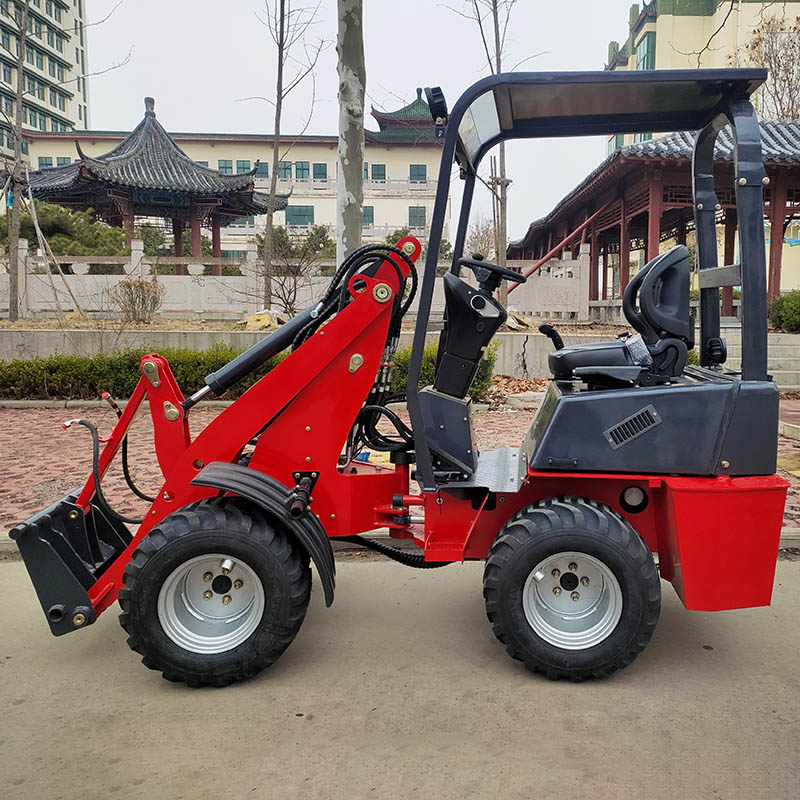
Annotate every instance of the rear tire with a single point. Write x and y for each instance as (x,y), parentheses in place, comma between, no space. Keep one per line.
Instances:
(571,589)
(214,594)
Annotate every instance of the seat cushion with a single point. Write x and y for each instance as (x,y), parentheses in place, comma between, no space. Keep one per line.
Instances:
(623,352)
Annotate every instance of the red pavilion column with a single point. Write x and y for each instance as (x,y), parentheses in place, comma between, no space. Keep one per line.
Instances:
(593,262)
(654,215)
(624,248)
(177,237)
(216,249)
(197,238)
(777,216)
(605,271)
(729,257)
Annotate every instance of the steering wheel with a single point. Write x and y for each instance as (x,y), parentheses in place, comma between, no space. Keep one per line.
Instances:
(490,275)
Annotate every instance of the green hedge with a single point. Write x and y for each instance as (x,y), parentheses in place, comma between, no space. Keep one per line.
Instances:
(480,386)
(87,377)
(784,313)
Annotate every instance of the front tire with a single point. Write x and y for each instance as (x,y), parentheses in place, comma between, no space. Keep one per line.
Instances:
(214,594)
(571,589)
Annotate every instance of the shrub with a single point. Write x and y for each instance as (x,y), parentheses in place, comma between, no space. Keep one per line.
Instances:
(87,377)
(776,312)
(693,358)
(138,299)
(785,312)
(480,386)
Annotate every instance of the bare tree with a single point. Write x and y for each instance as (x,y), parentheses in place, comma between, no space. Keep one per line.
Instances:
(352,81)
(493,18)
(481,237)
(288,26)
(775,44)
(21,18)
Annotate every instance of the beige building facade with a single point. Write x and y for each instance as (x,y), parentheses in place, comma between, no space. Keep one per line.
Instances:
(400,170)
(56,96)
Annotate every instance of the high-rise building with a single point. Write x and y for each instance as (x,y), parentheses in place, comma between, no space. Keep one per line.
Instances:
(56,97)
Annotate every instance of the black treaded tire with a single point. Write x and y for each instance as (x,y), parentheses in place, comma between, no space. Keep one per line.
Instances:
(211,526)
(571,524)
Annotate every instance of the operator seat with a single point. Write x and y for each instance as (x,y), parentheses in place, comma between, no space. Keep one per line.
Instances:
(656,304)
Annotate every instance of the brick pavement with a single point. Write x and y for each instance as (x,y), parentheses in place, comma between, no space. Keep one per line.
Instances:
(40,462)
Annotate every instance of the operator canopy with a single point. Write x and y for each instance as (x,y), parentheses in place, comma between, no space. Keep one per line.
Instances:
(546,104)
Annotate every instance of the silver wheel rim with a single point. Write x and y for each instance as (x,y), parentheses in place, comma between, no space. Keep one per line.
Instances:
(217,623)
(569,616)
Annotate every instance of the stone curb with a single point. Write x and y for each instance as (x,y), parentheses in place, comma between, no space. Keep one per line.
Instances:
(789,430)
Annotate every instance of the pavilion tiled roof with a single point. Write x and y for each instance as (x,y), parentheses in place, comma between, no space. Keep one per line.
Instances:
(780,144)
(408,125)
(148,158)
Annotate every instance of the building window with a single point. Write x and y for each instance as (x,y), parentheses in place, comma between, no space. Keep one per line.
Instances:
(51,37)
(285,170)
(45,162)
(379,172)
(51,68)
(29,55)
(262,169)
(202,163)
(59,44)
(225,166)
(320,172)
(299,215)
(62,161)
(642,137)
(366,170)
(7,74)
(80,112)
(646,51)
(53,98)
(62,103)
(368,216)
(242,165)
(301,169)
(615,142)
(416,216)
(39,60)
(60,72)
(243,222)
(418,172)
(6,40)
(42,122)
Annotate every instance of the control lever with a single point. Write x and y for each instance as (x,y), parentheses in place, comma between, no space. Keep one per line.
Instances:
(551,333)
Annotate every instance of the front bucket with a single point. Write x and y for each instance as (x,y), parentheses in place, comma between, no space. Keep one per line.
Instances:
(65,551)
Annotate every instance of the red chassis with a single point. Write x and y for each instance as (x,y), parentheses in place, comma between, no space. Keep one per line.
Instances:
(708,532)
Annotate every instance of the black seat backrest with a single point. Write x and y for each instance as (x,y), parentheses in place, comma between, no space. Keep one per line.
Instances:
(656,301)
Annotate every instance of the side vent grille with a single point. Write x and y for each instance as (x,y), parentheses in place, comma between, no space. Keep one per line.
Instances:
(635,425)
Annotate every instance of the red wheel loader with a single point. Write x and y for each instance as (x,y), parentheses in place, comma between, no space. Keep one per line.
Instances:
(633,452)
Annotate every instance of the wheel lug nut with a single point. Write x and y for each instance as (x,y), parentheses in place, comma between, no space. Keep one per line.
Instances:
(207,577)
(556,573)
(227,566)
(584,581)
(237,584)
(557,591)
(208,594)
(226,600)
(573,567)
(575,596)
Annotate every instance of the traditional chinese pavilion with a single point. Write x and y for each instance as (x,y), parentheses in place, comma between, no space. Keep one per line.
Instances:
(148,175)
(408,125)
(641,195)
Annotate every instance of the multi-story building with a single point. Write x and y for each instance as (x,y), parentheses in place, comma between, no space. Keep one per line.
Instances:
(677,34)
(400,169)
(56,98)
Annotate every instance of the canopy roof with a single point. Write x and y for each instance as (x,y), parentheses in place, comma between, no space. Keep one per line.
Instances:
(544,104)
(148,169)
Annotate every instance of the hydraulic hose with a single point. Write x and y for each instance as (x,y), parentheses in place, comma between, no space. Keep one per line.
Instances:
(415,560)
(101,499)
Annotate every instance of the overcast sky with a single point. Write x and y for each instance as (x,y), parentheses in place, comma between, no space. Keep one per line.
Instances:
(200,58)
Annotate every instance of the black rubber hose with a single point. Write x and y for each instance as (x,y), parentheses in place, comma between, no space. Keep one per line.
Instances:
(415,560)
(101,500)
(128,479)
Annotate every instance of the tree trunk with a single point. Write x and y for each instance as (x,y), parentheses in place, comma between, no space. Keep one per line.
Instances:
(503,183)
(16,175)
(276,143)
(352,80)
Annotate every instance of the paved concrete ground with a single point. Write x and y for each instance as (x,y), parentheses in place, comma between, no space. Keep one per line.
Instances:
(400,690)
